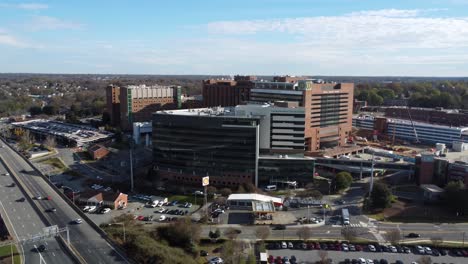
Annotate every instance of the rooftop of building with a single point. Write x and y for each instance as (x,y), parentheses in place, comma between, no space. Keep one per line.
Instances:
(81,134)
(408,122)
(254,197)
(292,156)
(144,86)
(440,109)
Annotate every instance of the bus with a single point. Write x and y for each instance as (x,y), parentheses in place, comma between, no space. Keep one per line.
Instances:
(345,216)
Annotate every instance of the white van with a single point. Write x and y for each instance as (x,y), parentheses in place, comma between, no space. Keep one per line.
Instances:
(270,188)
(162,218)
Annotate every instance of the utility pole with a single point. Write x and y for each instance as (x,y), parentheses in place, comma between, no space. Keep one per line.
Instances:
(131,164)
(371,187)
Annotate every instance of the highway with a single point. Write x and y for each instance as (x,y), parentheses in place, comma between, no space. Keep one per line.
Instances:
(91,247)
(25,222)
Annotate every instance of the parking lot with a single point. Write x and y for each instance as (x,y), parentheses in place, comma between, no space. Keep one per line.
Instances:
(338,256)
(138,208)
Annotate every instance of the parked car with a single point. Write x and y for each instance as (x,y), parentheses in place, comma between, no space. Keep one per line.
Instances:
(345,247)
(290,245)
(420,250)
(284,245)
(393,249)
(371,248)
(428,250)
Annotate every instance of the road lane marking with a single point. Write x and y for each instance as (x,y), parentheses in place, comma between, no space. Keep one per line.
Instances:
(53,254)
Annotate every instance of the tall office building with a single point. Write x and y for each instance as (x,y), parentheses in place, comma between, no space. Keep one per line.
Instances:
(136,103)
(113,103)
(227,92)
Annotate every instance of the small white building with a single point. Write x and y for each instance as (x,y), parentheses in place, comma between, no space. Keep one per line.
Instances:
(251,201)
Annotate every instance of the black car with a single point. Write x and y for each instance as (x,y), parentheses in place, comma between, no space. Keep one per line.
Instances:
(293,259)
(376,261)
(399,262)
(51,210)
(413,235)
(354,261)
(41,248)
(444,252)
(435,252)
(347,261)
(383,261)
(203,253)
(280,227)
(21,199)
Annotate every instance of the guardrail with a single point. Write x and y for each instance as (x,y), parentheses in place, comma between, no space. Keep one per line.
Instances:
(73,206)
(69,248)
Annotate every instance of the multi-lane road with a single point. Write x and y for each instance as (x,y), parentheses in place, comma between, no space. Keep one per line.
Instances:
(25,222)
(87,242)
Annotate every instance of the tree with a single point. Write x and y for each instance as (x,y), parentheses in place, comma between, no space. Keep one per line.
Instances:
(251,259)
(211,190)
(232,233)
(106,118)
(393,236)
(425,260)
(380,196)
(323,255)
(225,192)
(262,232)
(386,93)
(35,110)
(437,241)
(343,180)
(50,142)
(349,233)
(49,110)
(454,195)
(26,140)
(215,235)
(304,233)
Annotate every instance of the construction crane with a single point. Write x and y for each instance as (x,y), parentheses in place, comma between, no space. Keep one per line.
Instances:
(412,123)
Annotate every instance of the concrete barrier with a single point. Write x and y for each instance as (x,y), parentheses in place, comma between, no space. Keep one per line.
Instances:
(74,206)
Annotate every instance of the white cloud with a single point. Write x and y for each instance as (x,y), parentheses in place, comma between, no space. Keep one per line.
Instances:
(388,29)
(9,40)
(27,6)
(389,13)
(51,23)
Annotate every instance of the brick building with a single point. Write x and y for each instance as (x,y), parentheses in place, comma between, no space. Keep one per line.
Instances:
(227,92)
(98,151)
(113,103)
(136,103)
(430,115)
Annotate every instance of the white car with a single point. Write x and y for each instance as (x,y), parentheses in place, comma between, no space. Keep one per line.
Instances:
(345,247)
(370,261)
(162,218)
(420,249)
(371,248)
(38,197)
(219,211)
(160,210)
(361,261)
(428,250)
(78,221)
(393,249)
(216,260)
(86,208)
(284,245)
(92,209)
(106,210)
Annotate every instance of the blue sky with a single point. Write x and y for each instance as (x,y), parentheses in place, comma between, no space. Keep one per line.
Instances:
(296,37)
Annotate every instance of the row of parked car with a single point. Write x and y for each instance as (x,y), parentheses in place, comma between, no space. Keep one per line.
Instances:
(96,209)
(370,247)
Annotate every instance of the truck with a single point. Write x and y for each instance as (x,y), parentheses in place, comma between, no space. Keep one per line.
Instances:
(345,216)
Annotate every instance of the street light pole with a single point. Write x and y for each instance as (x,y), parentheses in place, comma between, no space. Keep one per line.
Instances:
(463,239)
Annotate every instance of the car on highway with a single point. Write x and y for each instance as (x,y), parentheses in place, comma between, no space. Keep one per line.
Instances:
(51,210)
(12,184)
(279,227)
(413,235)
(77,221)
(22,199)
(41,248)
(38,197)
(6,174)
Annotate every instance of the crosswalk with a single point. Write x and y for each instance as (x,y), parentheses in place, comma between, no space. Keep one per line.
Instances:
(360,224)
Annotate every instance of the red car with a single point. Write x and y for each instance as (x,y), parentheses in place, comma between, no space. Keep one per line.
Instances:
(141,218)
(310,246)
(271,259)
(465,253)
(358,248)
(279,260)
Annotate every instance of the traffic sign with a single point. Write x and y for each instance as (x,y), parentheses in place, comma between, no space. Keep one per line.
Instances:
(206,181)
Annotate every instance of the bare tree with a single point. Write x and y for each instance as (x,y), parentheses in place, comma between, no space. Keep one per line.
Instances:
(425,260)
(231,233)
(304,233)
(437,241)
(393,236)
(323,255)
(349,233)
(50,142)
(262,232)
(25,140)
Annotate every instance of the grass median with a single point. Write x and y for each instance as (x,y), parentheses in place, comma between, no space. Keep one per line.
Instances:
(5,255)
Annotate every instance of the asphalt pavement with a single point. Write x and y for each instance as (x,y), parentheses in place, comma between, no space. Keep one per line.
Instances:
(92,248)
(25,223)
